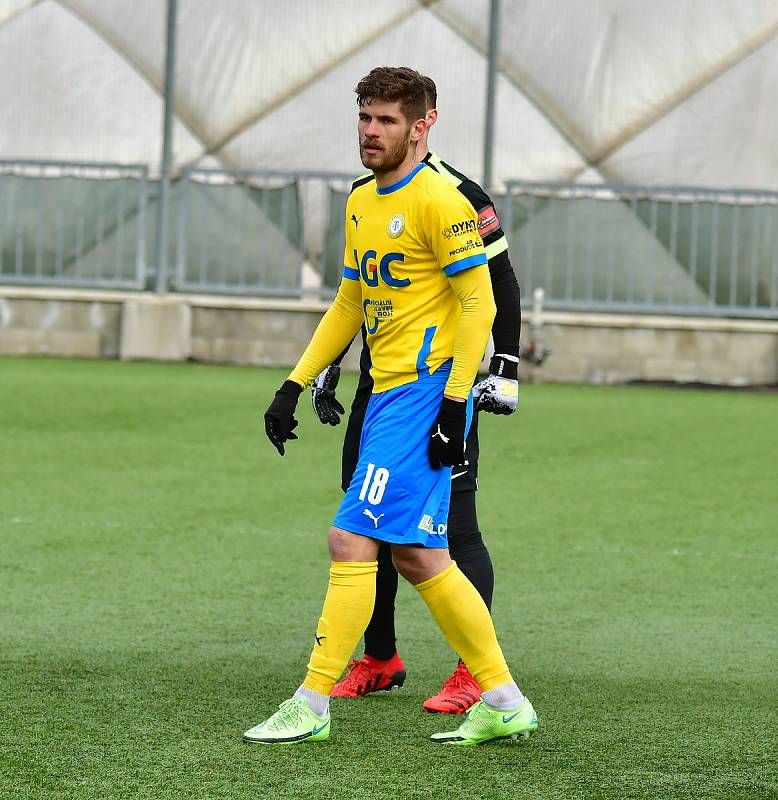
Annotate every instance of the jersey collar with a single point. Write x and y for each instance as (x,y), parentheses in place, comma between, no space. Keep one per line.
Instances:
(402,182)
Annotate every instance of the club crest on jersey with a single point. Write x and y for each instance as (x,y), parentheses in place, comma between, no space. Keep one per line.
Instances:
(396,226)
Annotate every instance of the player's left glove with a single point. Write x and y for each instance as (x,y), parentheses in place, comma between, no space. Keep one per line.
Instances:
(498,392)
(279,417)
(325,404)
(447,437)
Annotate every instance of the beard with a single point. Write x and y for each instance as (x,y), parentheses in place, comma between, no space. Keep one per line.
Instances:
(386,159)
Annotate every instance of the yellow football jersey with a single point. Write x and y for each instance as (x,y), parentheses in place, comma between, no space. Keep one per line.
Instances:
(402,241)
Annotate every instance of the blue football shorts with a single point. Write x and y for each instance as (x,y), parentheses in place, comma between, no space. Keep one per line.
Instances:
(395,495)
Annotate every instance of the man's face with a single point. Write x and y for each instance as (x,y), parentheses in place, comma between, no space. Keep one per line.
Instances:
(385,135)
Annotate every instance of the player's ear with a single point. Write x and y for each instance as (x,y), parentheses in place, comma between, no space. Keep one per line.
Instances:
(432,117)
(417,129)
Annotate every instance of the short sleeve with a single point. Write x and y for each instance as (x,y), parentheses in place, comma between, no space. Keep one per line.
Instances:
(452,225)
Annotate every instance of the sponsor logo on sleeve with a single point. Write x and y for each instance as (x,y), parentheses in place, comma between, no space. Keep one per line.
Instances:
(488,221)
(460,228)
(470,244)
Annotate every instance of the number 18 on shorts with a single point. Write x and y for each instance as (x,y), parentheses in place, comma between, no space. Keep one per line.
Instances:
(395,495)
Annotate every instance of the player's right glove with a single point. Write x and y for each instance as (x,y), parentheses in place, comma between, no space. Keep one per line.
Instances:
(279,417)
(447,437)
(498,392)
(325,404)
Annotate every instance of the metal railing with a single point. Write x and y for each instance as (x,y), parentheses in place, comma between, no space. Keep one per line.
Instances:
(73,224)
(600,247)
(239,232)
(609,247)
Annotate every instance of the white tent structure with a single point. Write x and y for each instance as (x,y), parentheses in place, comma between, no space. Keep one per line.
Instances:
(660,93)
(621,91)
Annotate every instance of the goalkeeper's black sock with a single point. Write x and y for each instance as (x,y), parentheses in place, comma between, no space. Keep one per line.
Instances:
(380,640)
(467,547)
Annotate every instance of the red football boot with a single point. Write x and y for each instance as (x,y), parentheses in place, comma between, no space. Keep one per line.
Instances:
(459,692)
(369,674)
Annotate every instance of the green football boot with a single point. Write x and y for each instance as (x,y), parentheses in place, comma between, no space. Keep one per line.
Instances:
(293,723)
(486,724)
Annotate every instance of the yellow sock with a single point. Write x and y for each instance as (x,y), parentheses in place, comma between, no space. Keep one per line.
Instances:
(347,609)
(465,621)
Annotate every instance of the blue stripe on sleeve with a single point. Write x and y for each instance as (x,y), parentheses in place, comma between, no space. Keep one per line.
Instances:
(351,273)
(465,263)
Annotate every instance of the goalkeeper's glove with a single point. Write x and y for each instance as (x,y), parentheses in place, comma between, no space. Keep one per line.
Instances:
(498,392)
(279,417)
(447,437)
(325,404)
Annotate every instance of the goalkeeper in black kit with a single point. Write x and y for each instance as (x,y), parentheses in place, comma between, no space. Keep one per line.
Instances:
(381,667)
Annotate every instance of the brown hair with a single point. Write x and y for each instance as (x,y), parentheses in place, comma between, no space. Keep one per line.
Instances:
(430,91)
(396,83)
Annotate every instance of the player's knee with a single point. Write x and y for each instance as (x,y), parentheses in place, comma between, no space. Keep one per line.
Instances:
(418,564)
(401,564)
(466,543)
(346,546)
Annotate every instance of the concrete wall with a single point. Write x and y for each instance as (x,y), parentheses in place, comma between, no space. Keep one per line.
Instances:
(604,348)
(587,348)
(46,324)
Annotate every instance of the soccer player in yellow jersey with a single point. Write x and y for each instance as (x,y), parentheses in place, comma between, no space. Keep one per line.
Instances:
(416,274)
(382,667)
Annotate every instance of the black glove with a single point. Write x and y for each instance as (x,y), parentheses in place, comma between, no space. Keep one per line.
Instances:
(325,404)
(498,392)
(279,418)
(447,437)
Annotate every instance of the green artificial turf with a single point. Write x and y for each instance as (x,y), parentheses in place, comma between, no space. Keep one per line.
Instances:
(162,570)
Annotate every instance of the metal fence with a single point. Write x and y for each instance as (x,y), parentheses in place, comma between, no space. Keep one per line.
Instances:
(590,247)
(73,224)
(608,247)
(239,232)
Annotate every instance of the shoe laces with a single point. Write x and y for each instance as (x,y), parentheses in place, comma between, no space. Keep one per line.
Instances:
(460,679)
(478,720)
(288,716)
(358,671)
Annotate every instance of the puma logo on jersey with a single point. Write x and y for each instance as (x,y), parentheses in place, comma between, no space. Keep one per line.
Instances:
(355,219)
(368,513)
(439,432)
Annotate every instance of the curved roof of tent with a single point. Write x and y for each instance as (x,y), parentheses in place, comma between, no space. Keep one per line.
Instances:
(619,90)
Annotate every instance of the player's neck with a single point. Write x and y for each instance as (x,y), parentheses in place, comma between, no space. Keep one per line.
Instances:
(384,179)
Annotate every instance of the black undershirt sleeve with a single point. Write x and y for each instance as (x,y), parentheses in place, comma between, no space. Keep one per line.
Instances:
(506,327)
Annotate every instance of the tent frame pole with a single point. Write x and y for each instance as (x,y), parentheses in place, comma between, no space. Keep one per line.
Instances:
(491,85)
(163,205)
